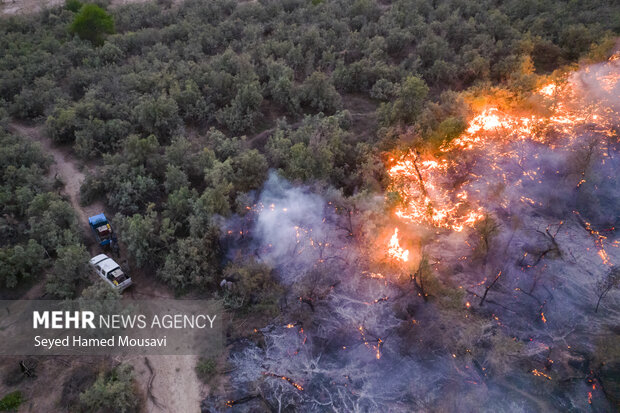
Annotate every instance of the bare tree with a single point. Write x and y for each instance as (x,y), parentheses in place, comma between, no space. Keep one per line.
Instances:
(610,281)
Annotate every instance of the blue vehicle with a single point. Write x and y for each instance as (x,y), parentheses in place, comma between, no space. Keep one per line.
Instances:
(102,229)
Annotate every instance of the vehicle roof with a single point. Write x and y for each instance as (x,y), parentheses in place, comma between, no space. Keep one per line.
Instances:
(97,219)
(97,258)
(106,263)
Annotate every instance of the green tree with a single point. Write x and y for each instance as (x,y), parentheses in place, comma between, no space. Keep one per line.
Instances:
(139,151)
(409,104)
(52,222)
(61,125)
(159,116)
(73,5)
(145,236)
(320,94)
(100,291)
(193,261)
(175,178)
(254,286)
(20,262)
(242,112)
(179,207)
(112,391)
(92,23)
(69,269)
(11,401)
(250,170)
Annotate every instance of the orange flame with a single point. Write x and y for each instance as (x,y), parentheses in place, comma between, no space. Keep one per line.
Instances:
(395,250)
(431,198)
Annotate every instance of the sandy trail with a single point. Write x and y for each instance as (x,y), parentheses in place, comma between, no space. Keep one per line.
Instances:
(174,386)
(65,168)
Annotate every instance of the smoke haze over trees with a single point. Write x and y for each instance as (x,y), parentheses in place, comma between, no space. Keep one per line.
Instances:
(266,153)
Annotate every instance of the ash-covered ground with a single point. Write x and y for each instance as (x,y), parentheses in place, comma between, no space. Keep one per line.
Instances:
(507,299)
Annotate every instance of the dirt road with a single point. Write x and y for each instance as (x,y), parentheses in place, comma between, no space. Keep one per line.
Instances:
(65,168)
(172,385)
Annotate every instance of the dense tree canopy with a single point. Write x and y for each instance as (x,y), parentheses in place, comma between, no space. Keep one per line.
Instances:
(165,102)
(186,110)
(38,226)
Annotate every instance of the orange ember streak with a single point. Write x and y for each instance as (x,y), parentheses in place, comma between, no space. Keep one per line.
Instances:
(288,379)
(535,372)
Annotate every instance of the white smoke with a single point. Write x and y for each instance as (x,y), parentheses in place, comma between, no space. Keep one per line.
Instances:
(357,343)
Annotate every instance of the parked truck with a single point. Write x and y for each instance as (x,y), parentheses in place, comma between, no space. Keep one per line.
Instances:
(109,271)
(103,231)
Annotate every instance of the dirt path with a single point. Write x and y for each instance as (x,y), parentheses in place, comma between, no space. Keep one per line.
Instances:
(65,168)
(174,386)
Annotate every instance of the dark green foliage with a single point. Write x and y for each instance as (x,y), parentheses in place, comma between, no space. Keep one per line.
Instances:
(206,369)
(52,222)
(73,5)
(91,189)
(112,391)
(34,100)
(319,94)
(242,112)
(71,267)
(100,291)
(145,236)
(158,116)
(319,149)
(61,125)
(92,23)
(408,105)
(21,262)
(254,287)
(146,103)
(175,178)
(447,130)
(193,262)
(36,224)
(11,401)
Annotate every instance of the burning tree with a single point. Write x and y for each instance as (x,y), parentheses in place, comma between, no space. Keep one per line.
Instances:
(505,228)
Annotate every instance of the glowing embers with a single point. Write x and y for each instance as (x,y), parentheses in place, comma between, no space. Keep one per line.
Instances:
(448,188)
(599,239)
(426,199)
(538,373)
(395,250)
(376,346)
(285,378)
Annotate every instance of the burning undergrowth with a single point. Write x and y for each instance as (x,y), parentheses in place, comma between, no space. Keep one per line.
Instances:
(484,288)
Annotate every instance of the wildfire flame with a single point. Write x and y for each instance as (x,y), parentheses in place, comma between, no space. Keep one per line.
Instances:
(437,189)
(395,250)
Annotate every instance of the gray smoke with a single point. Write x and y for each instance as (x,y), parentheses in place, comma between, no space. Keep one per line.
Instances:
(355,342)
